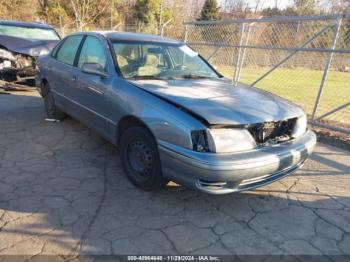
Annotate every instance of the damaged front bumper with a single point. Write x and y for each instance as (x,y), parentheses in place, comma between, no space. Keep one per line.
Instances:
(17,71)
(227,173)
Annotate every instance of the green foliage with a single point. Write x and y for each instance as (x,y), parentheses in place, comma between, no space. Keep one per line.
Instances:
(167,15)
(271,12)
(210,10)
(56,14)
(289,11)
(146,11)
(305,7)
(299,7)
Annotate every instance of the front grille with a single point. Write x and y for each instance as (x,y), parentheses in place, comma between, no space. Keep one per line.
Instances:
(272,132)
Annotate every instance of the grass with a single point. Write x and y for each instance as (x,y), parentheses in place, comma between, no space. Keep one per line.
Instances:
(301,86)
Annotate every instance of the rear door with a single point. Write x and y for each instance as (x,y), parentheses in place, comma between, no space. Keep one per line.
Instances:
(62,72)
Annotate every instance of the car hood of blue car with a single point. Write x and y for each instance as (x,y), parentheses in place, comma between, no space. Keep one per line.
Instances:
(220,103)
(27,46)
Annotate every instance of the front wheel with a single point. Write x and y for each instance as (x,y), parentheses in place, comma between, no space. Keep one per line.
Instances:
(50,106)
(140,159)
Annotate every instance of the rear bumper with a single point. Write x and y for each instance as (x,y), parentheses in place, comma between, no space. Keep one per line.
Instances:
(227,173)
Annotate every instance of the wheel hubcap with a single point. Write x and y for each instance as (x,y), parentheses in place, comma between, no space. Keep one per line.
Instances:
(140,158)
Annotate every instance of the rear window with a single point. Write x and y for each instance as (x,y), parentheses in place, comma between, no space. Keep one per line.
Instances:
(29,33)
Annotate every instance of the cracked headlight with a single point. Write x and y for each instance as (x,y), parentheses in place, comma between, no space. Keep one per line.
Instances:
(200,141)
(300,126)
(6,54)
(223,140)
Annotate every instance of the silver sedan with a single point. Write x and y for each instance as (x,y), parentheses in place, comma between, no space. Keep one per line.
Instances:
(171,114)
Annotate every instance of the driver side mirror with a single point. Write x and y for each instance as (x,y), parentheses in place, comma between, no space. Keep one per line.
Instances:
(94,69)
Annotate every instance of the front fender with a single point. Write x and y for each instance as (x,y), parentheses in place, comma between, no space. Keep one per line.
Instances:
(166,122)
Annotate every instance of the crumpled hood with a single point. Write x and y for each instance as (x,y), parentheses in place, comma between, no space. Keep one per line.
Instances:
(218,102)
(27,46)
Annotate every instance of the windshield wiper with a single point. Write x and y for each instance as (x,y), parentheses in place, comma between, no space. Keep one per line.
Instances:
(191,76)
(147,77)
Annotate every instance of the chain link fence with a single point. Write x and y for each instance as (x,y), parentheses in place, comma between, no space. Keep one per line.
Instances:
(303,59)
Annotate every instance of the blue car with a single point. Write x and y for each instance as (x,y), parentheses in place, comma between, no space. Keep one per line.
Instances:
(171,114)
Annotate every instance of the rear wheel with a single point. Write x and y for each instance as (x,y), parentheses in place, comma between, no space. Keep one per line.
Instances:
(50,107)
(140,159)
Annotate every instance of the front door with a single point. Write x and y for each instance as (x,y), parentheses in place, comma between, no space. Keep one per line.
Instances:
(91,90)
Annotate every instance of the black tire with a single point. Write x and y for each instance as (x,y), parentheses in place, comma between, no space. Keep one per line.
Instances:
(140,159)
(50,107)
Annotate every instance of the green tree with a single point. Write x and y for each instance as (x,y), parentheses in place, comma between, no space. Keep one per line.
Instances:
(147,11)
(167,15)
(305,7)
(210,10)
(55,14)
(271,12)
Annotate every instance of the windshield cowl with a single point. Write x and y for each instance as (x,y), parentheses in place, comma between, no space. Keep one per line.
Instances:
(184,77)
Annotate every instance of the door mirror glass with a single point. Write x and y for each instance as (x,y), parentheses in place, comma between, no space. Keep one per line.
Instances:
(94,69)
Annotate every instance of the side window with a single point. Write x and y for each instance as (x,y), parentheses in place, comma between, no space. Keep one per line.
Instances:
(92,52)
(66,53)
(55,49)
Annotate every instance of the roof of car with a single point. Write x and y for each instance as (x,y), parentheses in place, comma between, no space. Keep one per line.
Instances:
(124,36)
(25,24)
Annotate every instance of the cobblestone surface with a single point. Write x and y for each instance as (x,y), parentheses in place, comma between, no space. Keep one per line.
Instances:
(62,191)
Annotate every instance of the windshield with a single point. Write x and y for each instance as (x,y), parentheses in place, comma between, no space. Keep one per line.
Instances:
(29,33)
(160,61)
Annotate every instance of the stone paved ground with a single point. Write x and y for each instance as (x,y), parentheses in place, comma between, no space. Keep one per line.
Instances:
(62,191)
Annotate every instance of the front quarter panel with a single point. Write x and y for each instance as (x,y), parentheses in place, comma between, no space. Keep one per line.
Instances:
(166,122)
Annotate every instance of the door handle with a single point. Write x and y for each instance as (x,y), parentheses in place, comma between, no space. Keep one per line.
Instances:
(93,89)
(74,78)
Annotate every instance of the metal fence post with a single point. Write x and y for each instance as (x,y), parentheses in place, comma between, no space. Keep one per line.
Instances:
(327,67)
(243,54)
(186,31)
(237,69)
(185,40)
(163,26)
